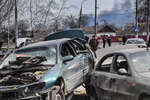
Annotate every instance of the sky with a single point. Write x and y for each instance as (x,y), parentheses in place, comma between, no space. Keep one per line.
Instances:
(88,6)
(120,10)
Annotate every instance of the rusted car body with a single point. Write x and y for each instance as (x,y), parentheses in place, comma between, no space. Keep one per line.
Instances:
(121,75)
(34,71)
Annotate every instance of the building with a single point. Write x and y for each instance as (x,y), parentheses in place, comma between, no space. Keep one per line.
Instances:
(106,29)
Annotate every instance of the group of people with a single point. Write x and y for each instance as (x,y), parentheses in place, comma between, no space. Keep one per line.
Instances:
(94,42)
(108,41)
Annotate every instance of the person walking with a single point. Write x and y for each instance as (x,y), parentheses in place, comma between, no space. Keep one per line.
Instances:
(104,41)
(87,39)
(109,41)
(124,39)
(93,44)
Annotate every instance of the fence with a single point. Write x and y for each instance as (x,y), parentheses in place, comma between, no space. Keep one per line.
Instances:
(119,38)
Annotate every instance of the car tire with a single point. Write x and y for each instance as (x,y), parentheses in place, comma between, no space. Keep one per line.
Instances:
(60,95)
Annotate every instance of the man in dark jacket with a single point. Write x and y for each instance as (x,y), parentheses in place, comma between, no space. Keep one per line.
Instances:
(104,41)
(124,39)
(109,41)
(93,44)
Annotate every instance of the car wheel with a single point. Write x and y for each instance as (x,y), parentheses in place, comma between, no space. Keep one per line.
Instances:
(59,95)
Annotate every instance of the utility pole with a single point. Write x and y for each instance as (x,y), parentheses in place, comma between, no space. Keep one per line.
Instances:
(31,21)
(95,17)
(147,22)
(16,21)
(8,41)
(136,17)
(80,17)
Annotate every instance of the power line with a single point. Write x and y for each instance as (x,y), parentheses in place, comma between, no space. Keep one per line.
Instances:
(95,17)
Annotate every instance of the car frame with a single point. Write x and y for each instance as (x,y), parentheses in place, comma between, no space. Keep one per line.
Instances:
(67,74)
(115,78)
(140,45)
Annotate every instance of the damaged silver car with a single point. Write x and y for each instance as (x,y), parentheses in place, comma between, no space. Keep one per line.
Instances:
(121,75)
(44,71)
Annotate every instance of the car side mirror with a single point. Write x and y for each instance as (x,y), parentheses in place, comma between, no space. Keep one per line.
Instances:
(123,71)
(67,58)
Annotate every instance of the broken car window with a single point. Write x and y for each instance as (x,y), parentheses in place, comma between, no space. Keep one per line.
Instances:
(48,52)
(78,45)
(106,63)
(12,56)
(120,63)
(66,50)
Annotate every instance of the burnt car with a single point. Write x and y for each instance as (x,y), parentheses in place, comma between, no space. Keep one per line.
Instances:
(35,71)
(121,75)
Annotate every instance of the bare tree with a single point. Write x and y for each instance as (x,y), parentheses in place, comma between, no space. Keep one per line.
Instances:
(44,12)
(84,20)
(6,8)
(71,22)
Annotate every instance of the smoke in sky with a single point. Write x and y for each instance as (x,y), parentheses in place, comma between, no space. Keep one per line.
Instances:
(121,12)
(116,5)
(126,5)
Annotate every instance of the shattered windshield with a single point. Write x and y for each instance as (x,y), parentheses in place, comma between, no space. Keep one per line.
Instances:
(141,62)
(48,52)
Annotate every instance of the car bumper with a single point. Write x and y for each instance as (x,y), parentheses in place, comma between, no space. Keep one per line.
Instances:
(51,92)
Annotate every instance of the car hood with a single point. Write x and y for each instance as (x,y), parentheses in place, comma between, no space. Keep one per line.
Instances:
(22,76)
(23,71)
